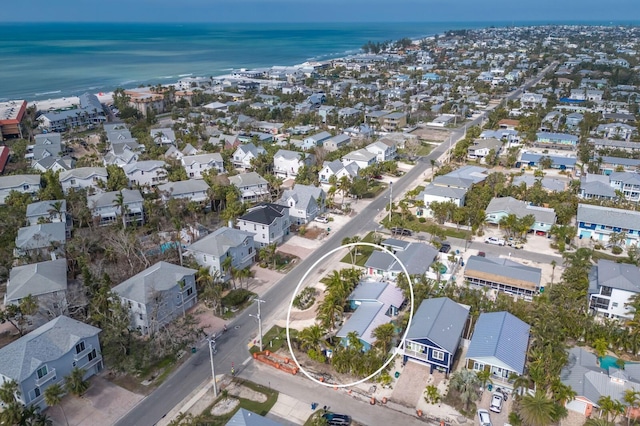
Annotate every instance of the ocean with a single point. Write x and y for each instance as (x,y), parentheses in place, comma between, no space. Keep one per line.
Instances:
(53,60)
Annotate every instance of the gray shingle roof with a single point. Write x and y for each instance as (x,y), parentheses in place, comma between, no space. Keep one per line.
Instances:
(503,271)
(623,276)
(214,157)
(441,320)
(502,336)
(521,209)
(145,166)
(46,343)
(302,194)
(549,184)
(43,208)
(162,276)
(40,236)
(14,181)
(443,191)
(109,198)
(219,242)
(244,417)
(184,187)
(37,279)
(247,179)
(607,216)
(417,258)
(597,188)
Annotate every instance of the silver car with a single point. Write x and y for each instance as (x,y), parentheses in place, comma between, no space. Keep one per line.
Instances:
(484,418)
(496,402)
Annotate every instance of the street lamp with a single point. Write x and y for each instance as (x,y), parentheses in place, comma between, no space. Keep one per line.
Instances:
(212,350)
(259,320)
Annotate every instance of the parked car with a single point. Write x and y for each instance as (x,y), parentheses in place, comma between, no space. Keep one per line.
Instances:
(334,419)
(322,219)
(496,402)
(516,244)
(494,240)
(401,231)
(484,418)
(445,247)
(482,254)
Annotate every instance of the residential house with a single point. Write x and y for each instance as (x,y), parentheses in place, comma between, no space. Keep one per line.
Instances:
(317,139)
(547,183)
(193,190)
(45,281)
(499,345)
(592,382)
(435,333)
(563,162)
(596,187)
(245,153)
(89,112)
(47,355)
(616,131)
(612,164)
(556,140)
(46,145)
(394,121)
(25,184)
(252,186)
(362,157)
(269,223)
(415,257)
(49,211)
(244,417)
(385,150)
(287,164)
(626,183)
(598,223)
(54,164)
(532,100)
(305,202)
(504,275)
(157,295)
(196,165)
(107,208)
(614,144)
(452,187)
(148,173)
(375,303)
(481,148)
(336,142)
(499,208)
(612,287)
(163,136)
(41,240)
(123,153)
(89,178)
(212,251)
(338,169)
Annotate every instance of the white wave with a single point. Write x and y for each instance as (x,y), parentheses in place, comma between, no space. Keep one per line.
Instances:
(185,75)
(53,92)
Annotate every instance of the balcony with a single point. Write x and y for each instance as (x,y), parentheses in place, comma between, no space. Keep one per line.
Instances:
(85,352)
(91,363)
(44,379)
(417,355)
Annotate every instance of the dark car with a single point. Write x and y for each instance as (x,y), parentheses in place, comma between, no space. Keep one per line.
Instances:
(334,419)
(401,231)
(482,254)
(445,248)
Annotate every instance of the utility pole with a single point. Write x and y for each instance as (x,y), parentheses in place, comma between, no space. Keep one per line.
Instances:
(212,350)
(259,301)
(390,200)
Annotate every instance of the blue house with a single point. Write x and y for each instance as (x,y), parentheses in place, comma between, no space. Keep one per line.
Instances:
(598,223)
(561,162)
(435,333)
(375,303)
(556,140)
(499,345)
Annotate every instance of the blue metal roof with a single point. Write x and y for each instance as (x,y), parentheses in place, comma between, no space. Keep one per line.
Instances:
(503,336)
(441,320)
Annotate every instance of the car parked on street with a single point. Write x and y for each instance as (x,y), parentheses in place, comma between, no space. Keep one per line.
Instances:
(484,418)
(496,402)
(401,231)
(495,241)
(334,419)
(445,247)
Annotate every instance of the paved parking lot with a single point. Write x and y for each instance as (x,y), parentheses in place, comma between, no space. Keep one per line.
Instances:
(497,419)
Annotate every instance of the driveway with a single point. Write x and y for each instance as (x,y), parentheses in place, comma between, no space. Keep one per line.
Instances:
(500,418)
(411,384)
(103,404)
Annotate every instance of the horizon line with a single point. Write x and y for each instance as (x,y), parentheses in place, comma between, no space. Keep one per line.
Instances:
(512,21)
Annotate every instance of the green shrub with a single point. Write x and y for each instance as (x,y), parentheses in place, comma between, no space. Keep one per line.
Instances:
(422,220)
(316,356)
(236,297)
(616,250)
(305,298)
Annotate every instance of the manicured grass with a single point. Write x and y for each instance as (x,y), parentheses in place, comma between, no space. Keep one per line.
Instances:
(261,408)
(598,254)
(363,252)
(273,339)
(424,149)
(375,188)
(312,418)
(418,226)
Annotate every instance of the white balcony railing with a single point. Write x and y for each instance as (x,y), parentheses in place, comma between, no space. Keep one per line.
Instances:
(85,352)
(414,354)
(44,379)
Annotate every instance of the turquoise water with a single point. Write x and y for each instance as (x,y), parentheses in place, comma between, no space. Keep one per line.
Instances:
(50,60)
(610,361)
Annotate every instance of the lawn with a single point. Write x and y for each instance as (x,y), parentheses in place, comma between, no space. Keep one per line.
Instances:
(260,408)
(424,149)
(375,188)
(273,339)
(363,252)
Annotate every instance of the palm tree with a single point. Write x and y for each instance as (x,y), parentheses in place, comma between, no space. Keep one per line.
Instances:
(75,382)
(8,391)
(484,376)
(343,185)
(384,334)
(466,382)
(311,337)
(631,398)
(53,396)
(119,201)
(537,409)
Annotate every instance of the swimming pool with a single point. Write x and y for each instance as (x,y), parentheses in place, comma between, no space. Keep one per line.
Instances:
(608,361)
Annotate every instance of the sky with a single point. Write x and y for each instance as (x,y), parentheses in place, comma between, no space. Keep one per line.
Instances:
(617,11)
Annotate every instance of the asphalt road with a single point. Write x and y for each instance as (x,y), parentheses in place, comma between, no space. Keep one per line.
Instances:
(232,346)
